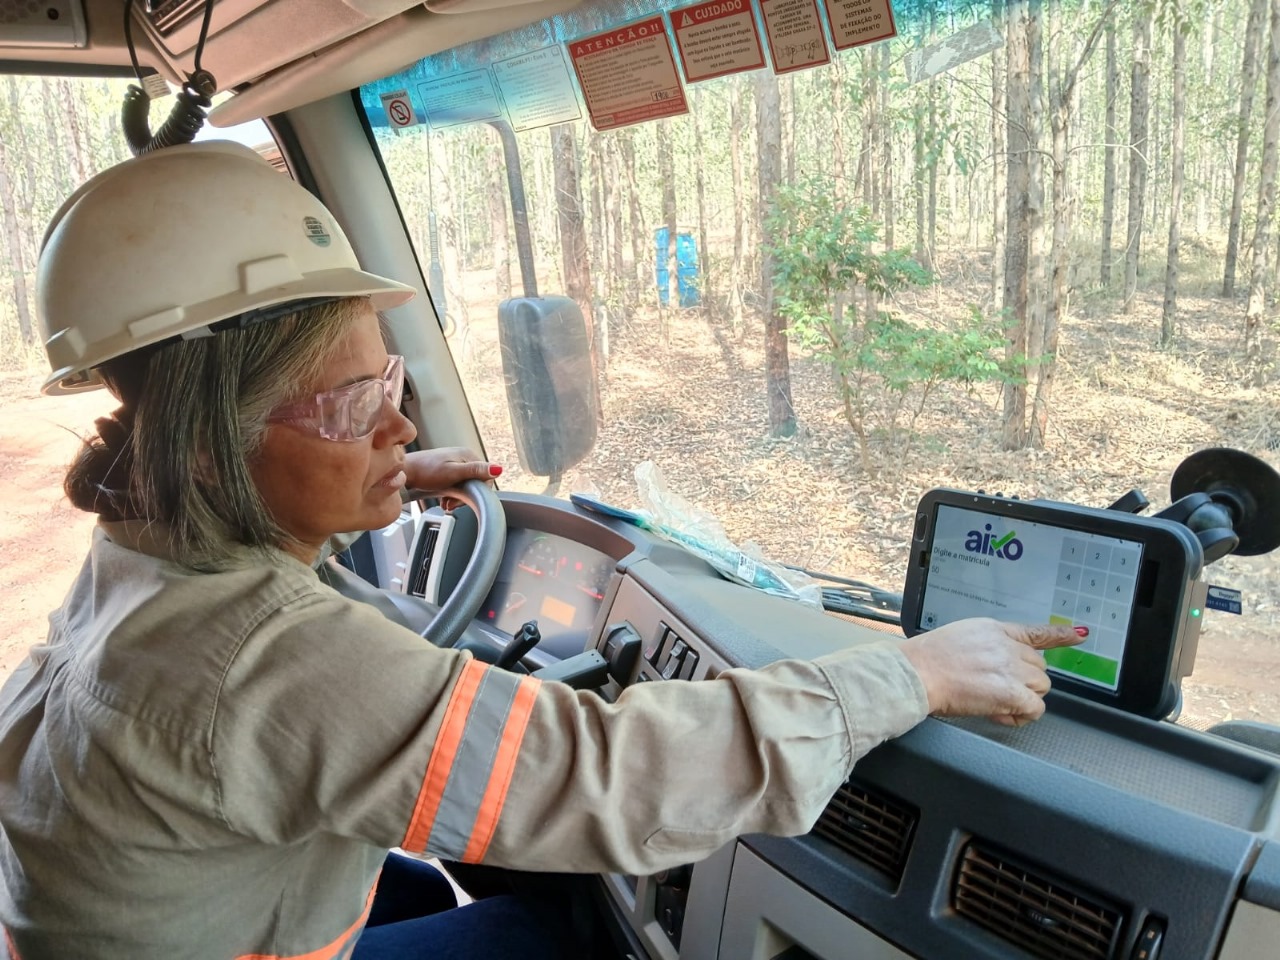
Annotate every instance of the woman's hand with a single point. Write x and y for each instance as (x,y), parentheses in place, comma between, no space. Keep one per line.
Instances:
(431,471)
(986,668)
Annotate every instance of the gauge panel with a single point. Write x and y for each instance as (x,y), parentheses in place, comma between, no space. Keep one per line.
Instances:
(556,581)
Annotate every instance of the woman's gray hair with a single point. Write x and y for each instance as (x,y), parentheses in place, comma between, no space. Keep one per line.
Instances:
(193,415)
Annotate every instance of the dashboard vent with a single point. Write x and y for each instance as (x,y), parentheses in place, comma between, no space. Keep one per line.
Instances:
(870,827)
(421,560)
(1045,917)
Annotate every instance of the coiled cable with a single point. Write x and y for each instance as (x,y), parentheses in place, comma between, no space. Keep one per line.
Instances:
(191,106)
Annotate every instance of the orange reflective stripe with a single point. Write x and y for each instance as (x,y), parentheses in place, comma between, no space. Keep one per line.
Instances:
(8,942)
(504,765)
(340,947)
(442,757)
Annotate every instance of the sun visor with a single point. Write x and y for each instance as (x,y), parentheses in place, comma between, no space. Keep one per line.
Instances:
(377,52)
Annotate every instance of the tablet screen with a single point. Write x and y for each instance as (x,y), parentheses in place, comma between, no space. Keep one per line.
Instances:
(983,565)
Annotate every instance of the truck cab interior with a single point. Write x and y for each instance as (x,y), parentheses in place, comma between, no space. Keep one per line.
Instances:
(1106,829)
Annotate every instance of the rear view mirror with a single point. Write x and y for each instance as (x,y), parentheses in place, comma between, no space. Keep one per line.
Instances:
(550,380)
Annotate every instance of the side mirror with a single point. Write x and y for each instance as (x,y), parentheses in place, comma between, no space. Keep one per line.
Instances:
(550,380)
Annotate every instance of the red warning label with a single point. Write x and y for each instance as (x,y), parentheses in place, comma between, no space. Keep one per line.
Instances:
(794,28)
(717,38)
(858,22)
(628,74)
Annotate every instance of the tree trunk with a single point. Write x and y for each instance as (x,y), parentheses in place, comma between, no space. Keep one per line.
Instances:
(617,274)
(599,250)
(917,145)
(736,125)
(1139,108)
(667,174)
(69,105)
(886,159)
(1204,154)
(1109,158)
(704,252)
(871,134)
(1061,106)
(999,166)
(871,146)
(1253,32)
(53,126)
(777,367)
(13,238)
(787,99)
(934,153)
(1037,307)
(1155,140)
(25,197)
(1169,315)
(935,150)
(574,254)
(1256,309)
(1017,218)
(440,174)
(498,225)
(837,129)
(639,261)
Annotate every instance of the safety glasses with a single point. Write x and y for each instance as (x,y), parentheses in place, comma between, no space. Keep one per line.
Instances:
(347,413)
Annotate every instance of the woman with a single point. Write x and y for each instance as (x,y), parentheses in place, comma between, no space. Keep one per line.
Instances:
(213,752)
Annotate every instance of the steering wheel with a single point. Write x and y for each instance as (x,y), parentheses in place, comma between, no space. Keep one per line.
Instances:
(447,626)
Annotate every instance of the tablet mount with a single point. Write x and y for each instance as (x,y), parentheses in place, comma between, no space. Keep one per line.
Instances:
(1229,499)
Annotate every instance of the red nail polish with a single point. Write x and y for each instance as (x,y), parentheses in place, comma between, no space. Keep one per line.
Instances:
(1082,631)
(495,470)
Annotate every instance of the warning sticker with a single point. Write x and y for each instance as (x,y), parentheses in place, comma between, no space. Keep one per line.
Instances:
(628,74)
(537,89)
(858,22)
(461,98)
(398,108)
(717,38)
(794,29)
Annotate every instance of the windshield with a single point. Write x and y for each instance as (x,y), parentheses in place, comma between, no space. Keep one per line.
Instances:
(987,253)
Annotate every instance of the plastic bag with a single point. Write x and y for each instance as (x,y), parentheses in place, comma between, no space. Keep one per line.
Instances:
(674,518)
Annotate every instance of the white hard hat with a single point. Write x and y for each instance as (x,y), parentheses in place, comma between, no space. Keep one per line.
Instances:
(168,244)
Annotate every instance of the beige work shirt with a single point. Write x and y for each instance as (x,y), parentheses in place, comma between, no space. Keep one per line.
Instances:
(213,765)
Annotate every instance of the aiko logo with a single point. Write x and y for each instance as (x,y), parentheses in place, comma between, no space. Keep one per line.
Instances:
(1005,546)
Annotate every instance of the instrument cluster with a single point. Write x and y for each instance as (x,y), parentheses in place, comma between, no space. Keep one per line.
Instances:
(548,578)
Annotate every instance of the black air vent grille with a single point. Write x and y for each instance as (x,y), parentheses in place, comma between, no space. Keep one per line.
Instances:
(869,826)
(422,561)
(1045,917)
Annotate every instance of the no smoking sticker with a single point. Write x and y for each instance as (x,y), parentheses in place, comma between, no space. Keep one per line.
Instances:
(398,108)
(628,74)
(717,38)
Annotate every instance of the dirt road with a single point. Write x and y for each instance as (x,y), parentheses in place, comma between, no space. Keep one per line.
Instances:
(43,539)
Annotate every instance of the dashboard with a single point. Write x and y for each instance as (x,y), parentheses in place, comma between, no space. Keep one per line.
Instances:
(554,580)
(1090,835)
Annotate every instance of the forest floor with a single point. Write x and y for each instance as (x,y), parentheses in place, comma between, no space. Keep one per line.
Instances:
(1124,415)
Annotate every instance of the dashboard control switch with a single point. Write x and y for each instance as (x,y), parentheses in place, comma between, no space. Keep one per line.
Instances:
(653,649)
(622,650)
(671,666)
(1150,941)
(689,665)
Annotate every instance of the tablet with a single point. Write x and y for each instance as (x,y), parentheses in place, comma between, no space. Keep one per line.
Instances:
(1132,581)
